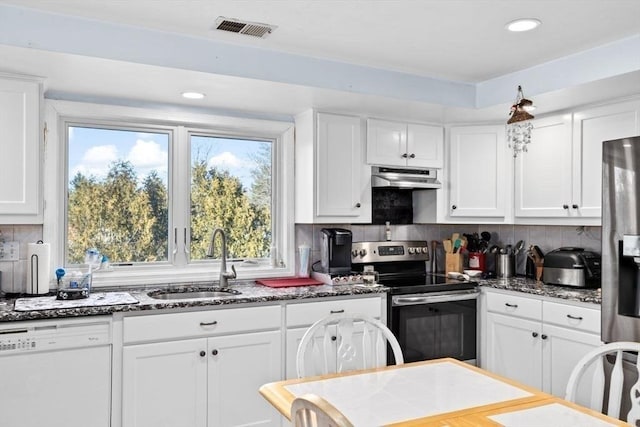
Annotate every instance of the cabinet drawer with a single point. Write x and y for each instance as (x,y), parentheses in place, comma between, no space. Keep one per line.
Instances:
(514,305)
(201,323)
(305,314)
(581,318)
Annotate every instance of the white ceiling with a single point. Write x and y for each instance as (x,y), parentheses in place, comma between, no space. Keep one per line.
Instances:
(462,41)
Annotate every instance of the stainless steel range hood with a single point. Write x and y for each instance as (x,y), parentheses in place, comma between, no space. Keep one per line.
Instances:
(404,178)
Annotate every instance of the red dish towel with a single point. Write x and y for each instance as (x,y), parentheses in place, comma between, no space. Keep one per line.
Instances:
(289,281)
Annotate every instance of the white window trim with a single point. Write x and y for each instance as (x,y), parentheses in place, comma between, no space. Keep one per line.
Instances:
(57,112)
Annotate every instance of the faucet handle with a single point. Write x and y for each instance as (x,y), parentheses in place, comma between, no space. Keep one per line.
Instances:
(231,274)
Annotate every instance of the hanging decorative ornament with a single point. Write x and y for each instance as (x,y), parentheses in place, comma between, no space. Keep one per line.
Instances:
(519,124)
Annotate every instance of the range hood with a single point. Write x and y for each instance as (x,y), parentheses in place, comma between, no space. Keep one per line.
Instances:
(404,178)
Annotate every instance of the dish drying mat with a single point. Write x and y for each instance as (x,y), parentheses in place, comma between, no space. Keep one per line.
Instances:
(95,300)
(289,281)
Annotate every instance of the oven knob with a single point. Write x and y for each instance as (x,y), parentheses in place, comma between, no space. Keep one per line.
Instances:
(425,250)
(354,253)
(363,252)
(412,251)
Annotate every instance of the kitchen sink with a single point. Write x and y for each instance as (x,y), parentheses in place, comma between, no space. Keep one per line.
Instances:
(194,293)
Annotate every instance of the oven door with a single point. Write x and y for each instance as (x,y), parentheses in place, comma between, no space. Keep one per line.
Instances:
(434,325)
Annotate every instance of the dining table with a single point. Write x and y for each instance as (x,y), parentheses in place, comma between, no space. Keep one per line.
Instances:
(439,392)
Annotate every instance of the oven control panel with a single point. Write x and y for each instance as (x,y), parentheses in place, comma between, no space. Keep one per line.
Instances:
(410,250)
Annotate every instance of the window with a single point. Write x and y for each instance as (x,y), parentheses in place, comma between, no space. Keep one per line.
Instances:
(149,194)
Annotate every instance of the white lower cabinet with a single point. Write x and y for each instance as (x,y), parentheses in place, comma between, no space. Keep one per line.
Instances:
(536,342)
(211,380)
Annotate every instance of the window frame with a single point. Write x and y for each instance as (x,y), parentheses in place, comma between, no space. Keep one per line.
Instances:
(180,124)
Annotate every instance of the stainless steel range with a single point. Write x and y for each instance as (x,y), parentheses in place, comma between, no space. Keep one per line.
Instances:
(432,315)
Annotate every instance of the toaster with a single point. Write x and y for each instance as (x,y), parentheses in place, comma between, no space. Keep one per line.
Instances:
(571,266)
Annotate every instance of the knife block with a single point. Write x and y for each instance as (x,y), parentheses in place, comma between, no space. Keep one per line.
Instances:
(453,263)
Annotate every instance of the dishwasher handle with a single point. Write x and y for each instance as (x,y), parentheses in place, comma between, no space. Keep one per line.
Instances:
(430,299)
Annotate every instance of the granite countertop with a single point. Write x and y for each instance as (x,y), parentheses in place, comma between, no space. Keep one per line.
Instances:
(119,299)
(531,286)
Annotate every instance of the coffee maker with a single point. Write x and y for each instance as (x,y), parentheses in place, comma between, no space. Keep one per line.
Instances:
(335,256)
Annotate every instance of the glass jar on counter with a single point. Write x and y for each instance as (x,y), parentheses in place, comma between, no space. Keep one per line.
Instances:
(369,276)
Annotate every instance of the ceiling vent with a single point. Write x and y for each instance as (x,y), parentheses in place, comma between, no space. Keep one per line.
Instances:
(254,29)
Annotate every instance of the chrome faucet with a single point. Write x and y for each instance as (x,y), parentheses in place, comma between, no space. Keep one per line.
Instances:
(224,274)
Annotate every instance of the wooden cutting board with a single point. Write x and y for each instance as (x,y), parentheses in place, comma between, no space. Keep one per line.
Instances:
(289,281)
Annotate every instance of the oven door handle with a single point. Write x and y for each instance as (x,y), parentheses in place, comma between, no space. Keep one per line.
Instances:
(430,299)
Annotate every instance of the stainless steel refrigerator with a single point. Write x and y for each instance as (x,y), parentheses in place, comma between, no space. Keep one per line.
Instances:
(621,240)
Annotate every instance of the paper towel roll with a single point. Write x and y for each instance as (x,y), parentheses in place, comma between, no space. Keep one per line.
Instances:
(38,268)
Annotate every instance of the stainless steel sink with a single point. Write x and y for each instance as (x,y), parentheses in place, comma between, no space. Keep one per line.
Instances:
(191,293)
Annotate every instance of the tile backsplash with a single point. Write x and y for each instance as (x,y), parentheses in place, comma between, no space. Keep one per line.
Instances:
(14,273)
(547,237)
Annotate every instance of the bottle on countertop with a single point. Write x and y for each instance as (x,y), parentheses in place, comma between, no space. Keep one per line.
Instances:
(387,231)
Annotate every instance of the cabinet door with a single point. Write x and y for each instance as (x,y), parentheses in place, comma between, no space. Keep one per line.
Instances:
(425,145)
(386,143)
(591,128)
(514,348)
(343,185)
(561,350)
(478,173)
(294,336)
(238,366)
(543,174)
(20,148)
(165,384)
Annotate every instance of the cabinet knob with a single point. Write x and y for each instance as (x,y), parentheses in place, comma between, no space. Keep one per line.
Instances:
(405,155)
(574,206)
(544,337)
(534,334)
(203,353)
(413,156)
(214,352)
(454,207)
(358,205)
(565,206)
(333,338)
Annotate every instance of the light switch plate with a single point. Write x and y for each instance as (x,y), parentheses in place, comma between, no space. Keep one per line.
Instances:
(9,251)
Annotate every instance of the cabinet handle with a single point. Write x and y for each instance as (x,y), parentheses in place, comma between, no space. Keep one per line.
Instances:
(203,353)
(565,206)
(358,205)
(574,206)
(511,305)
(215,322)
(413,156)
(405,155)
(543,336)
(454,207)
(336,311)
(574,317)
(214,352)
(534,334)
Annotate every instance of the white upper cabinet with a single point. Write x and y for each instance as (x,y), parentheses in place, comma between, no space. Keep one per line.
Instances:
(560,177)
(543,178)
(401,144)
(20,197)
(590,128)
(333,183)
(479,174)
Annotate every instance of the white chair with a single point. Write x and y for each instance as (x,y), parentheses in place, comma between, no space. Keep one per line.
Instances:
(343,342)
(596,358)
(311,410)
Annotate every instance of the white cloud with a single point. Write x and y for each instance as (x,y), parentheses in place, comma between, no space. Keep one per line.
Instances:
(228,160)
(146,156)
(96,161)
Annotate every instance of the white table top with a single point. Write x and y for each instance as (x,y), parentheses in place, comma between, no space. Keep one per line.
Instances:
(553,414)
(384,397)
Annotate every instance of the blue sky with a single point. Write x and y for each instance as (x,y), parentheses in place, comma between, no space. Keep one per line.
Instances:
(92,151)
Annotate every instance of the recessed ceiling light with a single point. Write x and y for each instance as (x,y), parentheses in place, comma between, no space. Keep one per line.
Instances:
(192,95)
(525,24)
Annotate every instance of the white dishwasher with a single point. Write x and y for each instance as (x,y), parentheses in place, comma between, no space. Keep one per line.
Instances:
(55,373)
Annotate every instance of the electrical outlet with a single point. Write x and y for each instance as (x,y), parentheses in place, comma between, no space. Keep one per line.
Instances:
(9,251)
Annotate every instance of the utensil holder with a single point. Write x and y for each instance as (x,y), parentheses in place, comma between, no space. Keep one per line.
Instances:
(453,263)
(505,265)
